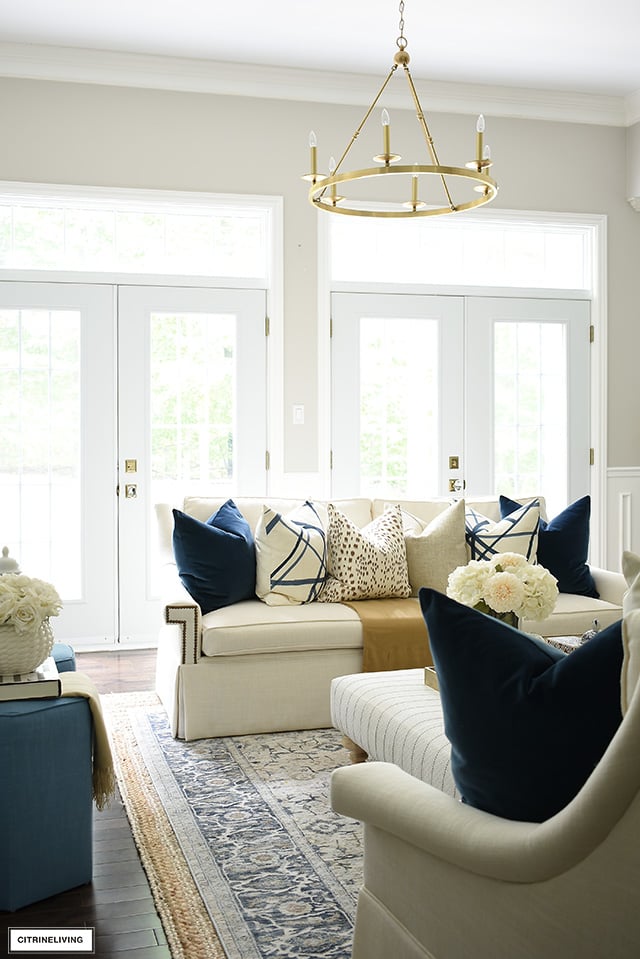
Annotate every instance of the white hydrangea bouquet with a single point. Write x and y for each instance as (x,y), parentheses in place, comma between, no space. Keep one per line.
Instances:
(506,587)
(26,638)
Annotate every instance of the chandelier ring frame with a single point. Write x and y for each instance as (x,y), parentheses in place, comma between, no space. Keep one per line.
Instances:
(320,192)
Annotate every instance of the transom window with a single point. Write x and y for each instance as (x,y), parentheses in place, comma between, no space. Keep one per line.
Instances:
(475,250)
(128,232)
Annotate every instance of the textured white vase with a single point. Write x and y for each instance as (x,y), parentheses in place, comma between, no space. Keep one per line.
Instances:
(23,652)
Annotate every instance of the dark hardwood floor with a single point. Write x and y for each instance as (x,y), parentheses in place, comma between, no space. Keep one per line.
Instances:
(118,902)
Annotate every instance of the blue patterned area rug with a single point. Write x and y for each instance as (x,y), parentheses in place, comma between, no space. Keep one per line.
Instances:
(277,872)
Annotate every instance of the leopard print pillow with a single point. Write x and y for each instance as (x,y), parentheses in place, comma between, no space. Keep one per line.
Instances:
(368,563)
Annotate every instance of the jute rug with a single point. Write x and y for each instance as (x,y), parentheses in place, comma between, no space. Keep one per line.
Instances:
(244,856)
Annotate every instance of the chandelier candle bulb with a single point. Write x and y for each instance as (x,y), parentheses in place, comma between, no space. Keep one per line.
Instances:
(479,137)
(313,146)
(415,203)
(313,176)
(484,166)
(386,135)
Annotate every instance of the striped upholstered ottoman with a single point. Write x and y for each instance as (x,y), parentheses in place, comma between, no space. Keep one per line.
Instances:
(394,717)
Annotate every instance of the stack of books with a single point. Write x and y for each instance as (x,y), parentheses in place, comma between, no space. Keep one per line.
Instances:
(42,683)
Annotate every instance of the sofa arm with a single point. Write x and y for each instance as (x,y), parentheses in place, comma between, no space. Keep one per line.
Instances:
(384,796)
(187,617)
(611,586)
(180,609)
(172,589)
(164,532)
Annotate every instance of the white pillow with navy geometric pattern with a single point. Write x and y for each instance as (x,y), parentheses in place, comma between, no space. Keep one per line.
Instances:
(291,556)
(516,533)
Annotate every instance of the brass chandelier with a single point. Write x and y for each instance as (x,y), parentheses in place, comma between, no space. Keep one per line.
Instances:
(323,192)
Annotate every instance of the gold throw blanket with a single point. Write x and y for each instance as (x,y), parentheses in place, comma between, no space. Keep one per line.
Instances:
(104,782)
(394,634)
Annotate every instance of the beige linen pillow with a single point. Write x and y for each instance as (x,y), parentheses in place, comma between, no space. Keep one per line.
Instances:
(435,551)
(368,563)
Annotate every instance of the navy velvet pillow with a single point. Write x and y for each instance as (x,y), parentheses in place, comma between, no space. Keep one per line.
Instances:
(216,560)
(563,546)
(527,723)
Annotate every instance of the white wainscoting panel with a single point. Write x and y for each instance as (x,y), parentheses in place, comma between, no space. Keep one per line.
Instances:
(623,513)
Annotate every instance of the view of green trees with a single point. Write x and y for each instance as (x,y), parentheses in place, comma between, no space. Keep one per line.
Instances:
(40,417)
(398,405)
(530,404)
(192,397)
(131,240)
(40,392)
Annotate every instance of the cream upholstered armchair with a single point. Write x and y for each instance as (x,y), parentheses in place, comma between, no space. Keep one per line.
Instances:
(445,880)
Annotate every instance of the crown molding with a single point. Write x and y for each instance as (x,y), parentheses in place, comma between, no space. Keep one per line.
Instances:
(632,104)
(77,65)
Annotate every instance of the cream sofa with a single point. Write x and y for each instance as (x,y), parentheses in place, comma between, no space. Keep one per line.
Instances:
(251,667)
(445,880)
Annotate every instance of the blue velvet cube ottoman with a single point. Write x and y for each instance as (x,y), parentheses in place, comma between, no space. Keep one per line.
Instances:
(46,801)
(65,657)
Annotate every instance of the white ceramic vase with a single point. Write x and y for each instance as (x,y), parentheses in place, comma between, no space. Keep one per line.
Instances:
(23,652)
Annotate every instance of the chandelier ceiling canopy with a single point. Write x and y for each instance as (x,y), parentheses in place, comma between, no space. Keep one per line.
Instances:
(326,192)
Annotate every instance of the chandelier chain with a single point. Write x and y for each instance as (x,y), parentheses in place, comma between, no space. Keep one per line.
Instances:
(401,42)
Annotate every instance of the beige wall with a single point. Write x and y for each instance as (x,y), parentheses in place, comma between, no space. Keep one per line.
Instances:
(115,136)
(633,163)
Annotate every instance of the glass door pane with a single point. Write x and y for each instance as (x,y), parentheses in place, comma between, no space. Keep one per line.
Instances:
(397,393)
(530,402)
(528,398)
(57,475)
(40,398)
(398,401)
(192,390)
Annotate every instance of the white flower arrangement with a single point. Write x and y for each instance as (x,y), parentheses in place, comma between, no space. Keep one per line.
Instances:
(25,603)
(505,584)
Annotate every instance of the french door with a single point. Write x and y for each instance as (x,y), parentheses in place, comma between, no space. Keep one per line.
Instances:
(435,395)
(191,419)
(58,450)
(111,399)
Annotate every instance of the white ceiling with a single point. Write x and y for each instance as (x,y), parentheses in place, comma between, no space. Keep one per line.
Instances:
(571,46)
